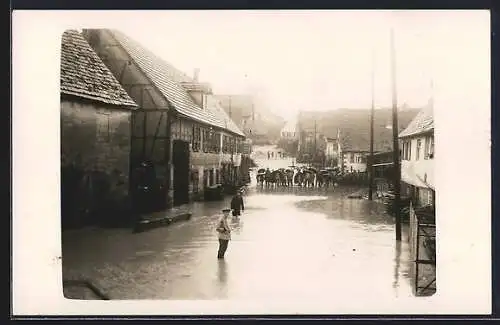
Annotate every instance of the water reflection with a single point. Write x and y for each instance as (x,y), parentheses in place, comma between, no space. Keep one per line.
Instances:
(294,238)
(236,225)
(397,264)
(362,212)
(222,272)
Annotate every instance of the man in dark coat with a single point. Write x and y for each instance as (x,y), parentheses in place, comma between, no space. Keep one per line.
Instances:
(237,204)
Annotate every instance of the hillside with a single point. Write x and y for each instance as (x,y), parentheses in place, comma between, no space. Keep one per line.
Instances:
(354,125)
(255,121)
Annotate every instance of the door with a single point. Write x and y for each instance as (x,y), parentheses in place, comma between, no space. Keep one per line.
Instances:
(149,156)
(181,172)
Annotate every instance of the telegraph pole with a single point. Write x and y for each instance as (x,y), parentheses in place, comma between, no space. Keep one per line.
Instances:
(372,113)
(396,164)
(315,149)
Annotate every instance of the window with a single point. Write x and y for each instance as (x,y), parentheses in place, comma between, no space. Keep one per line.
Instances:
(196,142)
(225,144)
(419,145)
(231,145)
(426,148)
(206,140)
(407,150)
(175,129)
(351,158)
(431,147)
(186,132)
(238,145)
(211,141)
(217,144)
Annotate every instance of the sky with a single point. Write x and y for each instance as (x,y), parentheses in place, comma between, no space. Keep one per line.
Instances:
(317,60)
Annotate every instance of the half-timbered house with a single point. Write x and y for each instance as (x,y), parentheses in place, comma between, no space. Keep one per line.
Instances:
(180,129)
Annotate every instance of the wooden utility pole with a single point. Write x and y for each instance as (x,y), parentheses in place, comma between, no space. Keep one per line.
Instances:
(315,148)
(372,113)
(396,163)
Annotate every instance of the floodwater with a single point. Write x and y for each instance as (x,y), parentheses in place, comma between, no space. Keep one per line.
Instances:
(288,243)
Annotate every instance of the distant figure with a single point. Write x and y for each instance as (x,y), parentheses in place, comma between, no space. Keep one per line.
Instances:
(224,233)
(237,204)
(268,155)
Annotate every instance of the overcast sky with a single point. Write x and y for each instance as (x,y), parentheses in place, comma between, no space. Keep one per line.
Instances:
(317,60)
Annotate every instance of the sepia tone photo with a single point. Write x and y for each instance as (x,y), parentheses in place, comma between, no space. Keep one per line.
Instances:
(287,160)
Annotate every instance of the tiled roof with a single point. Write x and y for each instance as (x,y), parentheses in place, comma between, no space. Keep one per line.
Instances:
(168,80)
(423,122)
(228,122)
(83,74)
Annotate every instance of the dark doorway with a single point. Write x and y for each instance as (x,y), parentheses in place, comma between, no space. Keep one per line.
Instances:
(181,172)
(148,164)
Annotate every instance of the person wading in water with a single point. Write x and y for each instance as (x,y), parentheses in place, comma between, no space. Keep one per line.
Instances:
(237,204)
(224,233)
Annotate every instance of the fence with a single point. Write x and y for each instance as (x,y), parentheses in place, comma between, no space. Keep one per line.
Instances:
(422,242)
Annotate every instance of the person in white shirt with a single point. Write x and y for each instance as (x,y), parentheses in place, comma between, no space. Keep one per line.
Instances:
(224,233)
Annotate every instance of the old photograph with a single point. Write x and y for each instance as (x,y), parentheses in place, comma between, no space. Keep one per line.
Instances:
(268,156)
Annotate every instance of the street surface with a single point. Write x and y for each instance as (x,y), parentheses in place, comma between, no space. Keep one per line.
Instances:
(287,243)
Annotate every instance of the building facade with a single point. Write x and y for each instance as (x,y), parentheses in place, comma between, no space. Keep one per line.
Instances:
(417,159)
(331,152)
(353,160)
(180,128)
(95,137)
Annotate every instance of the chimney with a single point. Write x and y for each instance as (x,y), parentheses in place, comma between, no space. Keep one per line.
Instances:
(196,74)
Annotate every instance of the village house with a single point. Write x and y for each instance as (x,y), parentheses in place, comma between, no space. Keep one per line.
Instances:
(261,126)
(180,129)
(383,168)
(289,131)
(289,138)
(332,151)
(353,160)
(351,129)
(95,137)
(417,159)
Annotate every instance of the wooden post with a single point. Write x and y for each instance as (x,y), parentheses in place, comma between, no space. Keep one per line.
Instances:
(397,168)
(372,113)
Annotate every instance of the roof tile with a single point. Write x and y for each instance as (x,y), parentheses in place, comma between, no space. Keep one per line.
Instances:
(168,80)
(423,122)
(83,74)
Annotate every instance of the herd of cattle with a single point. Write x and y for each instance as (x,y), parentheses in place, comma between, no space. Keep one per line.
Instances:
(300,176)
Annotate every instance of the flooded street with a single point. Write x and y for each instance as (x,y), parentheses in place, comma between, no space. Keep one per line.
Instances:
(288,242)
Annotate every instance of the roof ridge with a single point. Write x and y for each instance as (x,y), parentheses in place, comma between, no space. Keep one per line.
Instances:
(167,80)
(85,75)
(150,52)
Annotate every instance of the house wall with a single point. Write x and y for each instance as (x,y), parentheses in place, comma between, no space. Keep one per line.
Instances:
(95,139)
(207,166)
(148,140)
(354,161)
(416,166)
(417,169)
(149,98)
